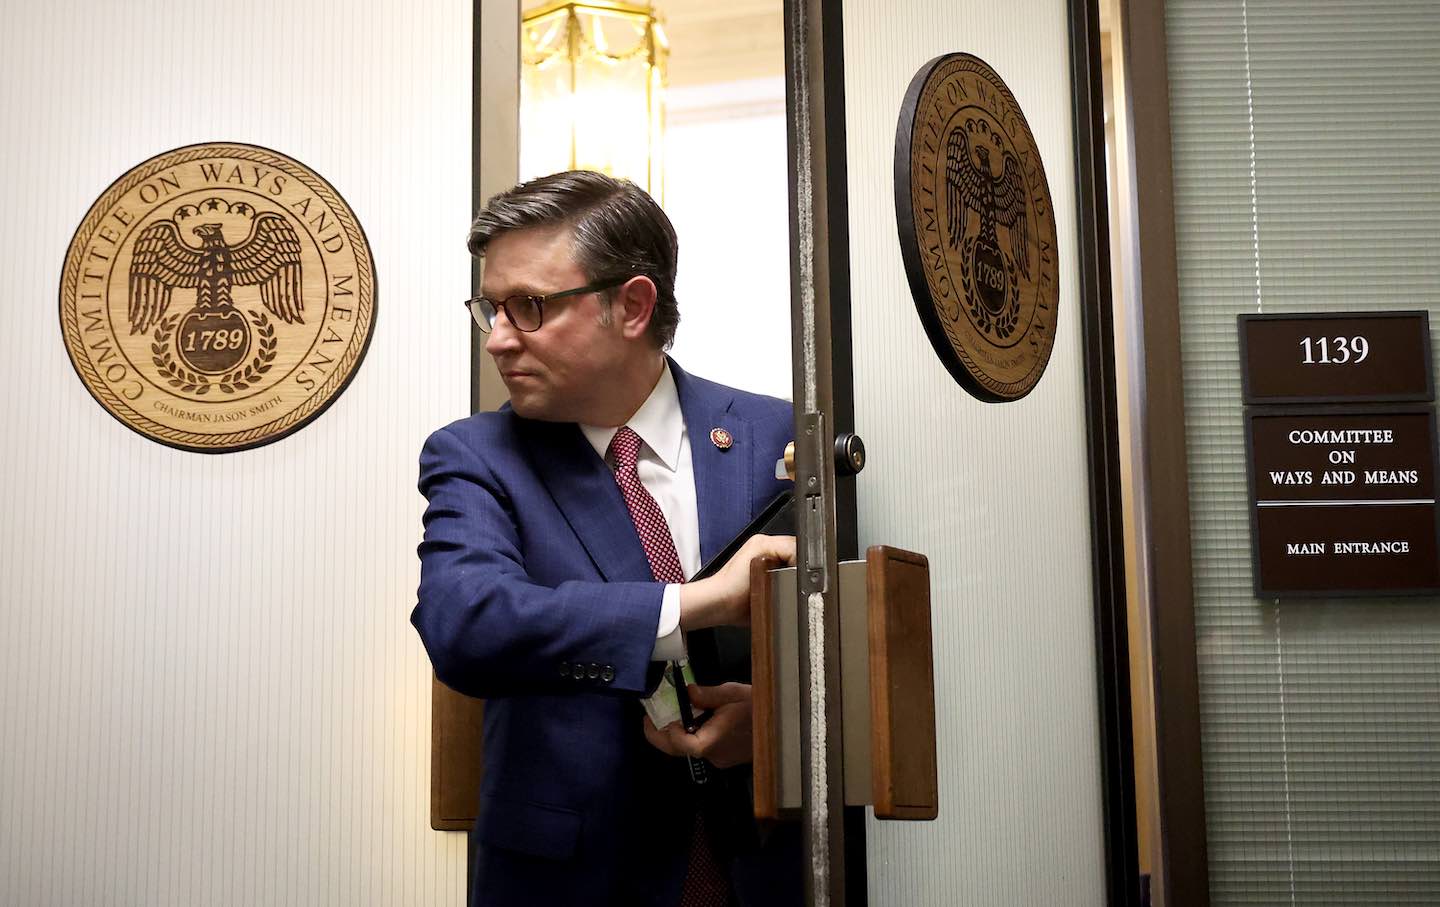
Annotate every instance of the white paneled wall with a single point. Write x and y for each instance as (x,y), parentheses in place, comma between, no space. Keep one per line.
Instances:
(996,495)
(209,690)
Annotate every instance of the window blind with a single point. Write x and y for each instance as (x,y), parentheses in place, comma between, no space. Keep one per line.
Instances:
(1306,143)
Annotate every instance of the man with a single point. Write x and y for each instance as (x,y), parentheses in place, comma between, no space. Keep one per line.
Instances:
(557,536)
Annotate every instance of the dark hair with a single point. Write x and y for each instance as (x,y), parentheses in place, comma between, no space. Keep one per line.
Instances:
(617,228)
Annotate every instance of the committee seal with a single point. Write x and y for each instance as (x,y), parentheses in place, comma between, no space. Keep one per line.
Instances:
(218,297)
(977,229)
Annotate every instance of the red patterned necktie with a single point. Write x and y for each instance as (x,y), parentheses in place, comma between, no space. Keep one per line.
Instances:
(705,884)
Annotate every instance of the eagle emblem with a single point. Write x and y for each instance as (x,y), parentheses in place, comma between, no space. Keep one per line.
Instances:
(989,275)
(213,336)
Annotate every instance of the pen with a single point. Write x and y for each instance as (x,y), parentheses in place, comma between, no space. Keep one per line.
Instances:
(687,720)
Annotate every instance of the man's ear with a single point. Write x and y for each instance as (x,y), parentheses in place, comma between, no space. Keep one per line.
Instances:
(634,304)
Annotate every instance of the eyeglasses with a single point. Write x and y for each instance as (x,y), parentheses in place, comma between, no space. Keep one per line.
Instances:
(527,313)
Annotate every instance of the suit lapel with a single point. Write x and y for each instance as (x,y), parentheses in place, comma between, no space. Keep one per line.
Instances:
(722,488)
(584,490)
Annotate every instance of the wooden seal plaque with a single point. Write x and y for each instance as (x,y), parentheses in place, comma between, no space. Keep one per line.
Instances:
(218,297)
(977,229)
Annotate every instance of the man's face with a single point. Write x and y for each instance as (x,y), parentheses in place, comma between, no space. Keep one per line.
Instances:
(557,373)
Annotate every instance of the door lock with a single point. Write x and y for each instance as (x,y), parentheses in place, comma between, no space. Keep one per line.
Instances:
(849,457)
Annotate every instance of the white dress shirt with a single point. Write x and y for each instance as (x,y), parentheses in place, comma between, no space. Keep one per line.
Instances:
(665,469)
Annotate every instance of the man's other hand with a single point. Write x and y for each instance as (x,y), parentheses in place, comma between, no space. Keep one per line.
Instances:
(724,738)
(724,599)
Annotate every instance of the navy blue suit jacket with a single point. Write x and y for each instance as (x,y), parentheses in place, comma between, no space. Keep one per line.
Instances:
(535,594)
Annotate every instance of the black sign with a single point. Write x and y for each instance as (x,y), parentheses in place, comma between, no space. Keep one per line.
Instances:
(1344,357)
(1343,501)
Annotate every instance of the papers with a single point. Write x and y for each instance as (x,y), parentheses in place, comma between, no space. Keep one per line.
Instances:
(663,707)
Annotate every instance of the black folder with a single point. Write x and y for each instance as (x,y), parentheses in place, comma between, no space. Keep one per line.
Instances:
(719,654)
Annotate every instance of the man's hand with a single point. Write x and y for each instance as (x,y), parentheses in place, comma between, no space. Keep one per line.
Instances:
(724,738)
(724,599)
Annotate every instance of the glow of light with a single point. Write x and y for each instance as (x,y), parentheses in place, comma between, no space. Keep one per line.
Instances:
(611,118)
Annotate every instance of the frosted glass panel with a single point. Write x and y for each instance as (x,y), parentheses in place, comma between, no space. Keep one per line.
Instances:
(995,495)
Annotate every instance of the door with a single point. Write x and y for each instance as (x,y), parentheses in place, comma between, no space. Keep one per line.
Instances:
(1011,502)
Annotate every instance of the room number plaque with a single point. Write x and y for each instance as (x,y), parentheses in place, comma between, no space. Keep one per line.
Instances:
(1340,434)
(1336,358)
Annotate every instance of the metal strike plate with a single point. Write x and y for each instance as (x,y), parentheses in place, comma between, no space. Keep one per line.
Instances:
(810,487)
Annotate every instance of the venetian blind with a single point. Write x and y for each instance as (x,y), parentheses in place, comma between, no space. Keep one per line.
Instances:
(1306,140)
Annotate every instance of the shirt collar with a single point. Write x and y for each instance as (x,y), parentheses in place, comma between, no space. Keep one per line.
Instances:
(658,422)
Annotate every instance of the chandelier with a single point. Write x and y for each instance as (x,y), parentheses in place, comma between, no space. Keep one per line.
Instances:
(592,81)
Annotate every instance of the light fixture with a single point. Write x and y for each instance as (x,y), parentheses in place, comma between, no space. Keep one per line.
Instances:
(592,80)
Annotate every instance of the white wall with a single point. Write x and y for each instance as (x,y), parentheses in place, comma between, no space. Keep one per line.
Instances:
(725,191)
(996,495)
(209,690)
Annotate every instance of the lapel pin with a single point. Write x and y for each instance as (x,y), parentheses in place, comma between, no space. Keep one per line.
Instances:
(721,438)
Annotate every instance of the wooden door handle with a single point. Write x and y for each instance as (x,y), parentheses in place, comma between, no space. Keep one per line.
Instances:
(887,686)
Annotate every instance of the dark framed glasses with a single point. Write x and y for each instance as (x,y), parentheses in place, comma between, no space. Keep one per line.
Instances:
(527,313)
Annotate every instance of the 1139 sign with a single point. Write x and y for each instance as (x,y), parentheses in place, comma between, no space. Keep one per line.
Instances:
(1343,474)
(1336,358)
(1347,349)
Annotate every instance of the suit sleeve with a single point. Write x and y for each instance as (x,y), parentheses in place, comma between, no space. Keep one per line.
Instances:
(491,630)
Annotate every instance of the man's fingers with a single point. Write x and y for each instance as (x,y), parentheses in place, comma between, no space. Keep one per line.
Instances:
(724,599)
(714,697)
(663,740)
(682,744)
(672,740)
(724,739)
(784,548)
(780,547)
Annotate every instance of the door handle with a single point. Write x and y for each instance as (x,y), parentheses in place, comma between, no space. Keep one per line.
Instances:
(849,457)
(887,689)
